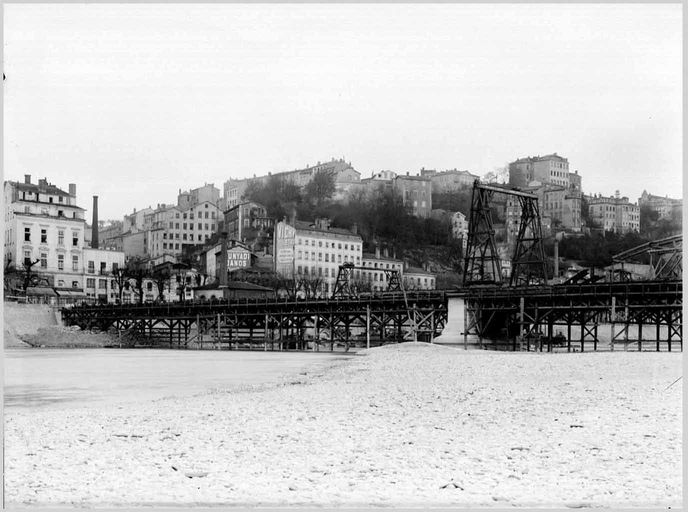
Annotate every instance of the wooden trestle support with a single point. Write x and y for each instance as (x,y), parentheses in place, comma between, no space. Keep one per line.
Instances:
(528,316)
(276,325)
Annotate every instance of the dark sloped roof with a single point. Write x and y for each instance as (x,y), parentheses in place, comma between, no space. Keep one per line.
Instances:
(299,224)
(32,187)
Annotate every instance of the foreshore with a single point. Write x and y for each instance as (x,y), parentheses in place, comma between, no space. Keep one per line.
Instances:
(401,425)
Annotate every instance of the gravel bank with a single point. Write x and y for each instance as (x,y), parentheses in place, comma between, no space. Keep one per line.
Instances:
(402,425)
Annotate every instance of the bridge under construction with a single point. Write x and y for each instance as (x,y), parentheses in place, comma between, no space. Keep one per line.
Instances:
(526,311)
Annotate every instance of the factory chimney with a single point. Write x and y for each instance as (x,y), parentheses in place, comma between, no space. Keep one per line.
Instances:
(94,227)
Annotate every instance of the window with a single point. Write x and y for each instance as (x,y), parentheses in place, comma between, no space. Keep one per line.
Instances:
(90,282)
(115,266)
(60,261)
(44,260)
(212,214)
(176,224)
(44,236)
(149,286)
(184,216)
(50,200)
(75,238)
(184,225)
(200,225)
(27,234)
(27,258)
(60,282)
(91,267)
(184,237)
(75,262)
(75,284)
(102,267)
(59,199)
(206,213)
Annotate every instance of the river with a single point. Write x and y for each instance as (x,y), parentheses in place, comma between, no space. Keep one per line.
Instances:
(68,378)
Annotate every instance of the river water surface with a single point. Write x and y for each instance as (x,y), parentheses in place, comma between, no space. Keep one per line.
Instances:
(66,378)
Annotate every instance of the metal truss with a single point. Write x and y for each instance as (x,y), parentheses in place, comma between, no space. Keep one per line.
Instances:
(666,257)
(482,262)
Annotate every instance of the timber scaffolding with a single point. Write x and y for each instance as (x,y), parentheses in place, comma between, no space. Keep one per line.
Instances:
(274,325)
(527,316)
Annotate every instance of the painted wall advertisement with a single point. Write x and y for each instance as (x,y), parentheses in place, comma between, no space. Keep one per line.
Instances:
(238,258)
(285,238)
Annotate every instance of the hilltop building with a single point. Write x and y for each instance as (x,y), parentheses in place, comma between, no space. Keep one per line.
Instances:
(449,180)
(549,169)
(614,213)
(664,206)
(345,177)
(247,221)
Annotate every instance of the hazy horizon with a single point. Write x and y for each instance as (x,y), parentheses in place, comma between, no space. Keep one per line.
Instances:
(134,102)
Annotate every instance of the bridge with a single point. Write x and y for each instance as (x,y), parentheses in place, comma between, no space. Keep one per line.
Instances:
(274,325)
(525,311)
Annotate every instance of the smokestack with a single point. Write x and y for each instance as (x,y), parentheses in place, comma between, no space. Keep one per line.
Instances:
(94,227)
(72,189)
(27,179)
(556,258)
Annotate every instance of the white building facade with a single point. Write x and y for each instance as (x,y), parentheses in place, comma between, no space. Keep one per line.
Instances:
(315,251)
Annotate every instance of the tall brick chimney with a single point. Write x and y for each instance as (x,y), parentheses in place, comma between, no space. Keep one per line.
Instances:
(72,189)
(94,227)
(27,179)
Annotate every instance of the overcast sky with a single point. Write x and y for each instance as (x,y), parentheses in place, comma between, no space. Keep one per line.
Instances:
(133,102)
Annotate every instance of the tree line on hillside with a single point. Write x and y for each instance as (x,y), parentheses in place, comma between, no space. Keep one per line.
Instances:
(380,216)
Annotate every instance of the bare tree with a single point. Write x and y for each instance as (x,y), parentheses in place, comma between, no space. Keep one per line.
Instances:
(120,276)
(161,278)
(289,285)
(310,285)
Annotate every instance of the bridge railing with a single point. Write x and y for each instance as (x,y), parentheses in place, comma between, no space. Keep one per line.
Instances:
(248,302)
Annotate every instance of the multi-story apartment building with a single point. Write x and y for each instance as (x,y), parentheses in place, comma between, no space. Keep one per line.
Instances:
(43,224)
(205,194)
(552,169)
(418,279)
(163,233)
(416,192)
(664,206)
(246,220)
(614,213)
(449,180)
(459,225)
(99,265)
(376,265)
(306,250)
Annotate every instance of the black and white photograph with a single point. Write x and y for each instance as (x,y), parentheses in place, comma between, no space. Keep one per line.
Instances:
(335,255)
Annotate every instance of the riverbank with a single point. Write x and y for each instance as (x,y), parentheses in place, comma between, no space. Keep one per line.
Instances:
(39,325)
(410,424)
